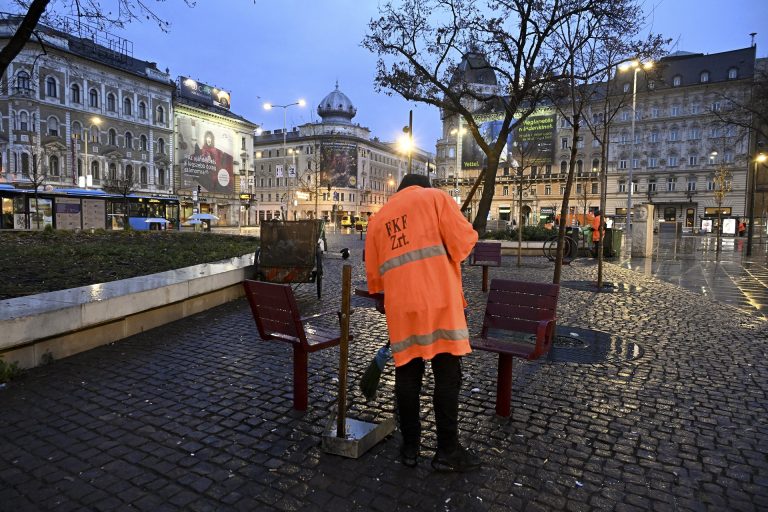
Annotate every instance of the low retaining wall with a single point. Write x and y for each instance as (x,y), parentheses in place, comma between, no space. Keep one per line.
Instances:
(66,322)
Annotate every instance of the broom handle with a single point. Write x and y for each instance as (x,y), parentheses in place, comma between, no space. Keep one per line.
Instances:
(346,289)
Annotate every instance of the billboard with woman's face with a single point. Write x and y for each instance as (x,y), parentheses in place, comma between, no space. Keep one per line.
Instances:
(205,155)
(338,165)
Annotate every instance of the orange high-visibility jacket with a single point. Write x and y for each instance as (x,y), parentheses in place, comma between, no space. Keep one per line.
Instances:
(413,252)
(596,227)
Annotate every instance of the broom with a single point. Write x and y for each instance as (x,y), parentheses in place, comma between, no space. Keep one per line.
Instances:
(369,383)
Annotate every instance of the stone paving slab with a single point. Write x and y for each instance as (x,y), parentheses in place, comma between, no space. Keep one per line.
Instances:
(196,415)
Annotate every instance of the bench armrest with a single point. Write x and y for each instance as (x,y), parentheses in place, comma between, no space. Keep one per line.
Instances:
(542,330)
(318,315)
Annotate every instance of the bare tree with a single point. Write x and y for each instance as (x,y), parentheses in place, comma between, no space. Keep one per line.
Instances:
(37,176)
(123,185)
(525,156)
(723,185)
(746,107)
(61,15)
(423,45)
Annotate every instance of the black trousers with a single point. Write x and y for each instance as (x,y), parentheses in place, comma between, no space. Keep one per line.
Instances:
(446,369)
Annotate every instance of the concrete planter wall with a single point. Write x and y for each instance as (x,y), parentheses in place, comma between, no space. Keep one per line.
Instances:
(66,322)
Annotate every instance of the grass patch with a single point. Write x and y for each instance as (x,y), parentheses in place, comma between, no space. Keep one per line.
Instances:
(44,261)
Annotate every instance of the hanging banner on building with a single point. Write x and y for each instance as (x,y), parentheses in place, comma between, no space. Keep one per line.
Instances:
(203,93)
(532,140)
(338,165)
(278,171)
(205,154)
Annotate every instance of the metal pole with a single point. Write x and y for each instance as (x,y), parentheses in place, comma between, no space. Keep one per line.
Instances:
(410,136)
(631,158)
(285,161)
(752,189)
(346,291)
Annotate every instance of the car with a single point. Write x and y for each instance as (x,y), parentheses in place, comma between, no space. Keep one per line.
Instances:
(361,223)
(346,221)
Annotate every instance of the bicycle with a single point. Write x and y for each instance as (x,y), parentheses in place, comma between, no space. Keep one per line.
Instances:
(570,247)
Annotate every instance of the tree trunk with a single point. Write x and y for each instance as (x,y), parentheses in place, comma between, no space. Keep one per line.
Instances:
(566,198)
(22,34)
(489,187)
(520,223)
(603,200)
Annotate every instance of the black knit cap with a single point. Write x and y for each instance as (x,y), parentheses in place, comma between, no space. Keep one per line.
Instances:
(410,180)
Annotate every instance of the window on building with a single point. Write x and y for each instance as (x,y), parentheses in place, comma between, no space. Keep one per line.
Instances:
(653,162)
(671,184)
(51,87)
(691,184)
(74,90)
(634,186)
(710,183)
(624,139)
(142,110)
(594,188)
(694,108)
(565,122)
(563,167)
(143,142)
(128,141)
(161,146)
(111,103)
(622,164)
(129,173)
(580,142)
(655,112)
(728,157)
(160,114)
(595,164)
(562,190)
(23,83)
(53,126)
(25,163)
(505,190)
(53,165)
(694,134)
(635,163)
(23,121)
(693,160)
(112,137)
(733,74)
(143,175)
(672,161)
(674,135)
(563,142)
(651,85)
(580,167)
(112,171)
(547,190)
(77,129)
(651,185)
(93,99)
(622,186)
(625,115)
(654,137)
(715,131)
(579,188)
(625,87)
(674,110)
(595,143)
(704,77)
(716,106)
(95,170)
(161,177)
(638,138)
(677,80)
(127,107)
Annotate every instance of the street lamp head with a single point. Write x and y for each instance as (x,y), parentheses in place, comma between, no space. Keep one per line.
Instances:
(301,103)
(259,131)
(762,157)
(267,106)
(625,66)
(648,65)
(96,120)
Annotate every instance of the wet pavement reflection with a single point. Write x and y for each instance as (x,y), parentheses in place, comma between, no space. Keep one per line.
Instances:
(729,277)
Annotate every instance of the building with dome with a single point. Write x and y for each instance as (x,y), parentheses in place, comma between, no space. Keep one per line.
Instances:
(331,169)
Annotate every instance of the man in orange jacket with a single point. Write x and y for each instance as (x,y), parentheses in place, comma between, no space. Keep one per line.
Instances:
(597,231)
(414,249)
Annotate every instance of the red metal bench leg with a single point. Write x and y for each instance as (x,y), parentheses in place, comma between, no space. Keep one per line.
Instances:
(300,384)
(485,278)
(504,386)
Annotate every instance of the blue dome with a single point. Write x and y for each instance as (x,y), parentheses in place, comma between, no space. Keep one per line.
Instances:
(336,107)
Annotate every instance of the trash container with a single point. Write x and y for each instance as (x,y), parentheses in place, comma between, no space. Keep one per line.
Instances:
(572,249)
(612,242)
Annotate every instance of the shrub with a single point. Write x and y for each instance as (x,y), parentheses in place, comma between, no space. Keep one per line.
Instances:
(9,371)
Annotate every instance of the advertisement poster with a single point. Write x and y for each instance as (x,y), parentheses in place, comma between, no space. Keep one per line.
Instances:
(205,154)
(531,139)
(68,213)
(203,93)
(339,165)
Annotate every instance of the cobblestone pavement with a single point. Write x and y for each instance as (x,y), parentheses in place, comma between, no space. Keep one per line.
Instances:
(654,398)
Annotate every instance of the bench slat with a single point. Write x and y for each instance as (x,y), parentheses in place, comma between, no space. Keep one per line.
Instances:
(521,312)
(512,348)
(519,299)
(540,289)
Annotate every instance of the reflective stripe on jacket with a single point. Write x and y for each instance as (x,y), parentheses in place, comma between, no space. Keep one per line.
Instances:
(413,252)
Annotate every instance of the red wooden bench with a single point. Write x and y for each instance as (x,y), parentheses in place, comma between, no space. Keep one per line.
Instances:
(516,312)
(486,254)
(277,317)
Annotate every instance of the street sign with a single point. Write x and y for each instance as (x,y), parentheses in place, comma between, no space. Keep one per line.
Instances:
(291,171)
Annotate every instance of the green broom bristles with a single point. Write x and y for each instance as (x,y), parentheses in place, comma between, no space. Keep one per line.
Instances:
(369,383)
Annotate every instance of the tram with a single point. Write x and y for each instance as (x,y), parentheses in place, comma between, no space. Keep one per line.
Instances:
(76,208)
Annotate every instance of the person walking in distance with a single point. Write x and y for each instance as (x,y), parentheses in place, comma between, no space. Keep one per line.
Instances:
(597,230)
(413,252)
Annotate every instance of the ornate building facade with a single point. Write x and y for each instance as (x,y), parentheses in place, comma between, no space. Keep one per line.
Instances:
(328,169)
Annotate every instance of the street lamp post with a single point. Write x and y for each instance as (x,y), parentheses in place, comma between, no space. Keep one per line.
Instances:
(270,106)
(759,159)
(636,66)
(87,171)
(459,131)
